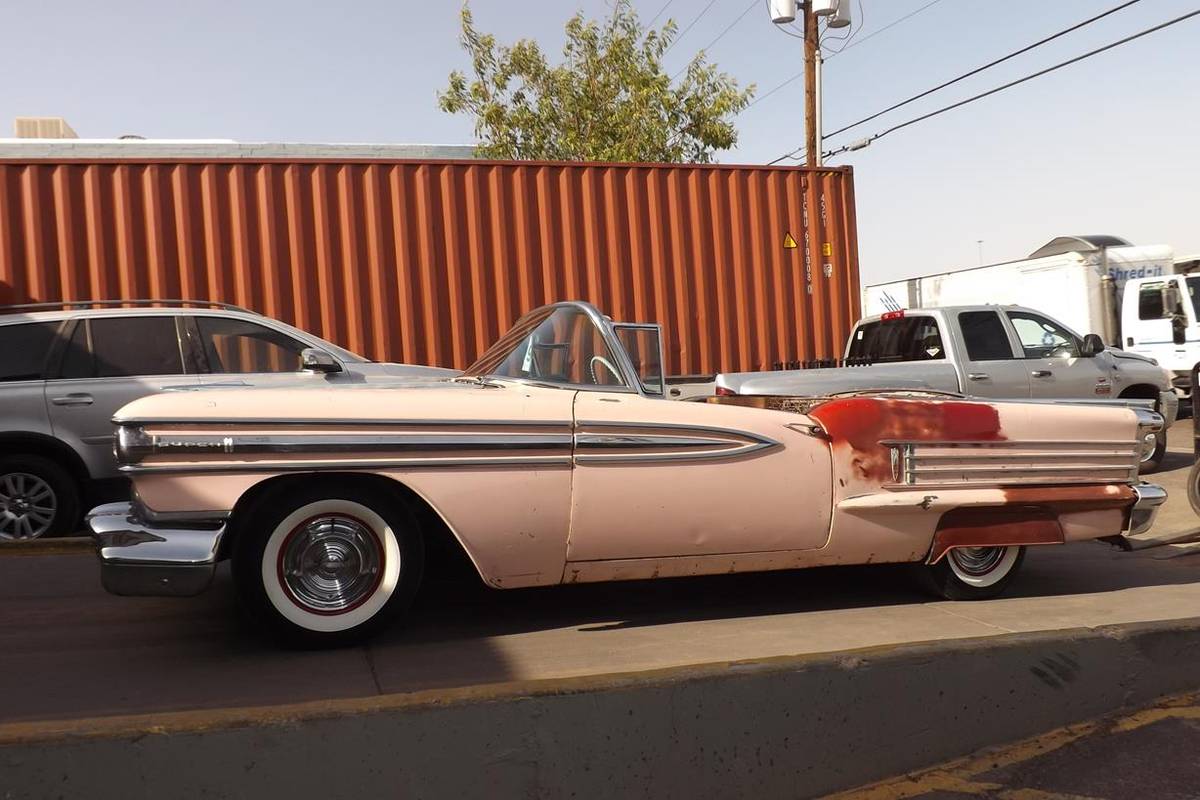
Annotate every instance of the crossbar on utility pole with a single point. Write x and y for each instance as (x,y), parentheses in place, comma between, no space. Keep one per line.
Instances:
(812,136)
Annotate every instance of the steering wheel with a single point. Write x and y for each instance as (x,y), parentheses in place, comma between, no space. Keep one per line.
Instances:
(607,365)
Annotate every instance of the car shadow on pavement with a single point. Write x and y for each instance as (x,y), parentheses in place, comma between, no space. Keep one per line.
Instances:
(453,610)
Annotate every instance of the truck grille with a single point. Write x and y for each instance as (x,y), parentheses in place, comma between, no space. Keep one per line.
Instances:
(1009,463)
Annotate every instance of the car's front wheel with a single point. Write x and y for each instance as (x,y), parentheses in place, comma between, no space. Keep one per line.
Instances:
(974,573)
(327,564)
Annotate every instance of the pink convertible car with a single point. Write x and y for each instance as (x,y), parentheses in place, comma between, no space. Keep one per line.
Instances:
(557,459)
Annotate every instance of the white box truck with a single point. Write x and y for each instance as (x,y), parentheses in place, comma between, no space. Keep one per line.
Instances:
(1129,295)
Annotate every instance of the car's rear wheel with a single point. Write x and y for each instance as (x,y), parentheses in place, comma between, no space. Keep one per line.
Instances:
(327,565)
(974,573)
(37,498)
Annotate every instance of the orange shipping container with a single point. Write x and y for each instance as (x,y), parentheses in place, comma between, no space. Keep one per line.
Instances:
(428,261)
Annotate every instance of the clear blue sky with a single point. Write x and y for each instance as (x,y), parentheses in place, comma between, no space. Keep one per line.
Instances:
(1106,146)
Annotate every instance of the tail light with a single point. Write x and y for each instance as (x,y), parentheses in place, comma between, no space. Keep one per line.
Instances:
(891,315)
(724,392)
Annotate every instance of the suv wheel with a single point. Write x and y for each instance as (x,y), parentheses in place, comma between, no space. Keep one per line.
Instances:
(37,498)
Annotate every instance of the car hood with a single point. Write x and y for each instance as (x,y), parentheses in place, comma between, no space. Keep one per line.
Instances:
(372,369)
(1125,355)
(397,398)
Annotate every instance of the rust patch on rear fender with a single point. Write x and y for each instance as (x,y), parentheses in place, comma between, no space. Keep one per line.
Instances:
(861,423)
(1067,499)
(995,526)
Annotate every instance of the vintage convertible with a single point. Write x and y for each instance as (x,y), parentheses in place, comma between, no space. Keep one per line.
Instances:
(557,459)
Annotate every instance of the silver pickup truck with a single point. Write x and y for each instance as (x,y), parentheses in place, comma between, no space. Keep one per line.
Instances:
(981,351)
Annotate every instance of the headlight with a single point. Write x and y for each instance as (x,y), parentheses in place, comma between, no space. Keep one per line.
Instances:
(132,444)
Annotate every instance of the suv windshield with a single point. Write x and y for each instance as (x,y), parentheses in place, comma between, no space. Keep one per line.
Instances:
(903,339)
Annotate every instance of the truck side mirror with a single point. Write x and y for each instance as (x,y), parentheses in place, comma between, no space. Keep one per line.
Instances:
(1092,346)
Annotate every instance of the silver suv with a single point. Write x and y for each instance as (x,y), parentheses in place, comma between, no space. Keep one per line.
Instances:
(64,373)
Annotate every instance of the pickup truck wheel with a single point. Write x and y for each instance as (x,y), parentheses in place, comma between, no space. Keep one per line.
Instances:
(37,498)
(974,573)
(1153,452)
(328,566)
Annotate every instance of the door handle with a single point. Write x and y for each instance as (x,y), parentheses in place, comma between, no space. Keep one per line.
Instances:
(77,399)
(977,376)
(1041,373)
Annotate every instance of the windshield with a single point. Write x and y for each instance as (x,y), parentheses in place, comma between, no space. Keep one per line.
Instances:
(555,344)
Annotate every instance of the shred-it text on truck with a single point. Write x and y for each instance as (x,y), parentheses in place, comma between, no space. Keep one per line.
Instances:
(428,261)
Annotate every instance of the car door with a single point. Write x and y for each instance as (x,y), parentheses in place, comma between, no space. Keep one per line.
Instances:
(110,361)
(987,360)
(658,478)
(1052,355)
(234,351)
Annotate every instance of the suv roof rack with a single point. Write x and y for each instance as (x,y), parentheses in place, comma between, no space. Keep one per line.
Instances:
(64,304)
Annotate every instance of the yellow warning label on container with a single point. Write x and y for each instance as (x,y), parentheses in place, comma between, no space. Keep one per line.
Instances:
(826,249)
(788,242)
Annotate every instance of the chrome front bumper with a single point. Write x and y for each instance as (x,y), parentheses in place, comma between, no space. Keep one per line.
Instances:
(1168,407)
(1150,498)
(143,558)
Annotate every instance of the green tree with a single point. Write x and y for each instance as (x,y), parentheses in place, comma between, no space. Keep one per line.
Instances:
(609,99)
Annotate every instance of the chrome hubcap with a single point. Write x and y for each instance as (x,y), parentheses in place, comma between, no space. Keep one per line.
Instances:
(331,564)
(27,506)
(977,560)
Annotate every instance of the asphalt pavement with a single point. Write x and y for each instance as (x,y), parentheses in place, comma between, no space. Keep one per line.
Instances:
(1149,753)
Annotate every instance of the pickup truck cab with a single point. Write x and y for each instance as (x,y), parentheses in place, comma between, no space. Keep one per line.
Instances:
(1009,352)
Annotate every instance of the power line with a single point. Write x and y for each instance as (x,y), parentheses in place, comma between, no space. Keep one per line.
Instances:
(721,35)
(654,19)
(692,24)
(864,142)
(729,27)
(986,66)
(800,74)
(892,24)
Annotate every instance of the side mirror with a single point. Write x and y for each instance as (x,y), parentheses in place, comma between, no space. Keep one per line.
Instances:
(1093,345)
(1179,329)
(315,360)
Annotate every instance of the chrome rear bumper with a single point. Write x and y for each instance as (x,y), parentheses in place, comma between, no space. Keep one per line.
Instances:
(142,558)
(1150,498)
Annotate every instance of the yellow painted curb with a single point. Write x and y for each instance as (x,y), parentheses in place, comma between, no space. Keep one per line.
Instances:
(65,545)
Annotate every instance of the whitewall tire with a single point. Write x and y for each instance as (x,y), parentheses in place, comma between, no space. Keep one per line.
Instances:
(327,565)
(973,573)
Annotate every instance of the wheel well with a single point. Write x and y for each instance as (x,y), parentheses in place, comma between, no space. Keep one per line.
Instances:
(39,444)
(445,556)
(1141,391)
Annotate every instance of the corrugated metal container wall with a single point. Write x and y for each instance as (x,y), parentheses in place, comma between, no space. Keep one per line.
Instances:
(427,262)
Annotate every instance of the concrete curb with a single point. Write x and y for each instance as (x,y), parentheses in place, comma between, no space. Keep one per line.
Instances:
(48,547)
(791,726)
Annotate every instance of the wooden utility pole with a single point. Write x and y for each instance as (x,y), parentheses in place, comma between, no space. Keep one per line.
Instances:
(812,144)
